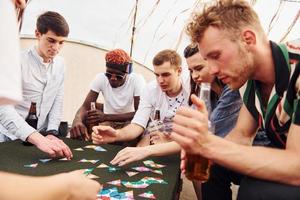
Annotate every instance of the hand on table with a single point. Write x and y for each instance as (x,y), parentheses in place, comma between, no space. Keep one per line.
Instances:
(190,127)
(80,187)
(79,131)
(128,155)
(103,134)
(51,145)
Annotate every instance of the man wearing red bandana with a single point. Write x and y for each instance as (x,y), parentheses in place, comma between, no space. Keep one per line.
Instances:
(121,90)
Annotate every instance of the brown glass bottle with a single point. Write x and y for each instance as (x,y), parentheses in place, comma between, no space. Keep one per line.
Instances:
(90,125)
(197,167)
(157,115)
(156,121)
(32,118)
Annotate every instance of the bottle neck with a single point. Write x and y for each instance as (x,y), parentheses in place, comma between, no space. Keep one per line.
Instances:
(32,109)
(205,96)
(157,115)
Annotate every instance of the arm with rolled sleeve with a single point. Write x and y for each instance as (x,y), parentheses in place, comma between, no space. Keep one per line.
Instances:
(143,113)
(14,123)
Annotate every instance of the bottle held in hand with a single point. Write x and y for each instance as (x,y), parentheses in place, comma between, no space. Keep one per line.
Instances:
(91,125)
(198,167)
(155,124)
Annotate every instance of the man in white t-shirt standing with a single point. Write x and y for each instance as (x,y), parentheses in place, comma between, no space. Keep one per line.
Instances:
(121,90)
(166,94)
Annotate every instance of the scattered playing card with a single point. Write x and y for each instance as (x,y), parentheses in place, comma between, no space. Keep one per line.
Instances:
(158,171)
(129,173)
(142,169)
(151,180)
(102,166)
(136,184)
(128,195)
(113,194)
(144,182)
(91,161)
(113,169)
(79,149)
(88,171)
(45,160)
(107,192)
(34,165)
(92,176)
(64,159)
(148,195)
(90,146)
(151,163)
(115,182)
(98,148)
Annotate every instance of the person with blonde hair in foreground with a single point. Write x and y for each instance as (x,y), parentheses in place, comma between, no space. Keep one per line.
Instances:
(231,38)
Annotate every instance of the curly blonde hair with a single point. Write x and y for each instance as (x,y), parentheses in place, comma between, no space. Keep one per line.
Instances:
(230,15)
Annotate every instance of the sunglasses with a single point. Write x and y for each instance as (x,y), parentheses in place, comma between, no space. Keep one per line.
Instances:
(117,76)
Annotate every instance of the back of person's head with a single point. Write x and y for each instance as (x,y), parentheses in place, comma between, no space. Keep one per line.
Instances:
(167,56)
(230,15)
(190,50)
(118,59)
(52,21)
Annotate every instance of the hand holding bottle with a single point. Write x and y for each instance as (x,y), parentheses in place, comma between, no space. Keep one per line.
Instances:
(191,132)
(197,167)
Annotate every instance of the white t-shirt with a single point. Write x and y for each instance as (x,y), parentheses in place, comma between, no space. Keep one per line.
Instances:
(153,98)
(118,100)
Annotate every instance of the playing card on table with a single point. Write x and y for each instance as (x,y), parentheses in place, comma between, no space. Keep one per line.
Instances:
(148,195)
(151,163)
(142,169)
(102,165)
(115,182)
(34,165)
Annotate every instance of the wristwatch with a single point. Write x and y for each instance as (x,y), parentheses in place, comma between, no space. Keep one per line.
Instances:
(52,132)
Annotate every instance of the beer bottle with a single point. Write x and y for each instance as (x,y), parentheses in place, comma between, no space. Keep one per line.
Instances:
(90,125)
(157,115)
(32,118)
(155,122)
(197,167)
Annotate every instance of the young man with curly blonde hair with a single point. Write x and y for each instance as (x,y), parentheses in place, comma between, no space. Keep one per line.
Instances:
(231,38)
